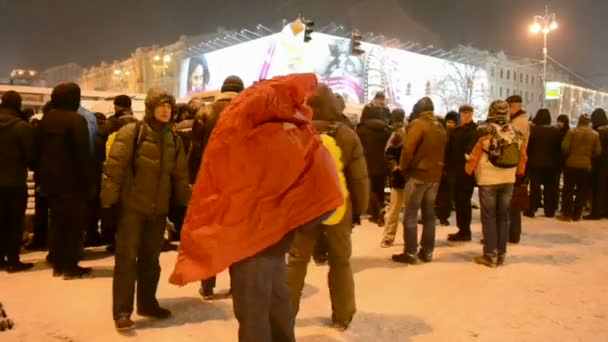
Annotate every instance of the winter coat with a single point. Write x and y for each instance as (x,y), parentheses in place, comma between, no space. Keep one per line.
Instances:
(423,152)
(486,174)
(374,134)
(392,156)
(461,143)
(92,128)
(63,155)
(184,130)
(145,167)
(355,167)
(521,122)
(202,128)
(544,146)
(265,172)
(17,141)
(580,146)
(118,121)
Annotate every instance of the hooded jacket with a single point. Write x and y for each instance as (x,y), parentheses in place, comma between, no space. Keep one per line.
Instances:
(146,166)
(580,146)
(424,147)
(374,133)
(544,146)
(17,141)
(265,173)
(599,120)
(63,149)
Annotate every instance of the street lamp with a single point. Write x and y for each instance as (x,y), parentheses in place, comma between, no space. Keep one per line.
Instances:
(163,63)
(545,24)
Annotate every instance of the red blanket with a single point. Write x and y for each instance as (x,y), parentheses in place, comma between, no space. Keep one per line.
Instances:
(265,172)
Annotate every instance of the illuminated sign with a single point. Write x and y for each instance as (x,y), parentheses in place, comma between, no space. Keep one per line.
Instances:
(553,91)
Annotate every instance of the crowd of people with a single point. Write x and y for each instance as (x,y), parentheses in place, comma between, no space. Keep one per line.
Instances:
(277,169)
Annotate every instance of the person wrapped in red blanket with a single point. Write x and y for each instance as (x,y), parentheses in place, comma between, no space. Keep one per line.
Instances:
(265,173)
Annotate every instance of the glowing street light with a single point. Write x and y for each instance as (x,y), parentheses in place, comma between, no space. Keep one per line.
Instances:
(163,63)
(544,24)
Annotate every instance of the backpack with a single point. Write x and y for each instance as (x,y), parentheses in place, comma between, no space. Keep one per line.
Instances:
(505,142)
(329,141)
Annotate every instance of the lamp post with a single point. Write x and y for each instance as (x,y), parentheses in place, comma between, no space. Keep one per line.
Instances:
(121,77)
(163,63)
(545,24)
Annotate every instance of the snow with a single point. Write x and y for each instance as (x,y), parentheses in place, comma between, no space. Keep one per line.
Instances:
(553,287)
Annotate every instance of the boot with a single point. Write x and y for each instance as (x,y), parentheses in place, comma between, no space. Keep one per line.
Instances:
(459,237)
(157,312)
(77,273)
(18,267)
(124,323)
(485,261)
(405,259)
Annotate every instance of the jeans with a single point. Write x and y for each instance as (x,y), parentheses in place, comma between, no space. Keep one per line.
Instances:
(495,202)
(13,202)
(139,241)
(419,195)
(545,177)
(576,189)
(392,217)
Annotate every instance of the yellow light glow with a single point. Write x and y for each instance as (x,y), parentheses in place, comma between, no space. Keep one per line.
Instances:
(535,28)
(553,26)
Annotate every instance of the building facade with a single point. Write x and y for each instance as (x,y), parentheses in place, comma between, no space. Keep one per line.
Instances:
(70,72)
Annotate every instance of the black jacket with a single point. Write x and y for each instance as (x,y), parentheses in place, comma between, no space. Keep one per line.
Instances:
(17,142)
(63,157)
(392,156)
(544,147)
(374,134)
(462,140)
(184,130)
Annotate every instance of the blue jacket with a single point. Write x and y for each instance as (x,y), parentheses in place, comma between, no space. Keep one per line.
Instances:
(92,126)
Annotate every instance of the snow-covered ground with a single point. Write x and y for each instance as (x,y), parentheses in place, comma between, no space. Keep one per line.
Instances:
(554,287)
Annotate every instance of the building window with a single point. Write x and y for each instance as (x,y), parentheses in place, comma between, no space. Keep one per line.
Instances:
(527,97)
(493,71)
(521,77)
(526,78)
(508,74)
(491,90)
(508,92)
(501,73)
(533,79)
(500,92)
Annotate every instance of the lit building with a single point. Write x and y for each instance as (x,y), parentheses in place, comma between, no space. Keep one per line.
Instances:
(70,72)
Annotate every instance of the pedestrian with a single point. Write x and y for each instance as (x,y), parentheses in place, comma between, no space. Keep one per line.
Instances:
(341,108)
(563,123)
(498,156)
(349,152)
(519,119)
(396,179)
(17,141)
(544,155)
(63,158)
(460,145)
(422,161)
(599,203)
(265,174)
(201,132)
(374,133)
(145,166)
(581,145)
(443,203)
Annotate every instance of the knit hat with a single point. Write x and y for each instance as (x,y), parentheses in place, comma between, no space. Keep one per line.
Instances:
(425,104)
(66,96)
(12,99)
(499,110)
(155,98)
(452,116)
(514,99)
(232,84)
(123,101)
(584,120)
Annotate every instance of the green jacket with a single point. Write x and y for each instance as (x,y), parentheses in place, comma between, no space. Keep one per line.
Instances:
(581,146)
(145,179)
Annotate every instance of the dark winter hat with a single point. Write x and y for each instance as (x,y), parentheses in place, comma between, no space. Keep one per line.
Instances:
(542,117)
(599,118)
(66,96)
(123,101)
(452,116)
(499,110)
(584,120)
(232,84)
(12,99)
(514,99)
(466,108)
(156,97)
(425,104)
(397,115)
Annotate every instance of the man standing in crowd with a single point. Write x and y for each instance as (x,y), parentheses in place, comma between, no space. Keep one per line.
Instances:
(63,155)
(443,203)
(237,218)
(422,162)
(581,146)
(396,179)
(498,156)
(599,203)
(519,119)
(17,143)
(202,129)
(123,114)
(544,155)
(460,145)
(374,133)
(145,167)
(337,234)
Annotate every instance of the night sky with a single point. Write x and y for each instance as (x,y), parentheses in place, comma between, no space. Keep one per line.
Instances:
(42,33)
